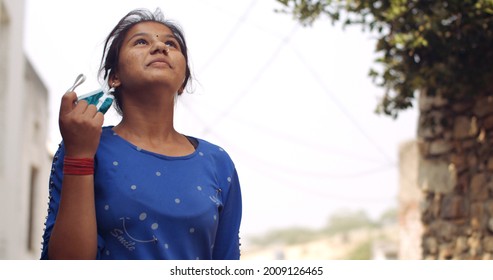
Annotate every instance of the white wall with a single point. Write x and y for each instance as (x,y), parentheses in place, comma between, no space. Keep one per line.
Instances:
(410,197)
(23,130)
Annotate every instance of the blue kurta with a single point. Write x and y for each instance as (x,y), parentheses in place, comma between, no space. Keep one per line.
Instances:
(151,206)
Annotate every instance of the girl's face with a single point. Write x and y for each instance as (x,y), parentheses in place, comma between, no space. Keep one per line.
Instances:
(150,55)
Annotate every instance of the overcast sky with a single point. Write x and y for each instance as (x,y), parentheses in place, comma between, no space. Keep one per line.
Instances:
(293,106)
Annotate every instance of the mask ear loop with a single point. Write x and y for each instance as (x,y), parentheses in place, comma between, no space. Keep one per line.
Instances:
(78,81)
(107,95)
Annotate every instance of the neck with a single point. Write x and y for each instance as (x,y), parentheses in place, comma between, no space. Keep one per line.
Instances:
(153,132)
(148,119)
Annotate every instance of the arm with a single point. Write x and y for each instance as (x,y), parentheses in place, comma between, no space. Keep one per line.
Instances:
(74,233)
(227,244)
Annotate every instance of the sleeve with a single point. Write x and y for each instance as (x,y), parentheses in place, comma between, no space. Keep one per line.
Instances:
(227,243)
(55,188)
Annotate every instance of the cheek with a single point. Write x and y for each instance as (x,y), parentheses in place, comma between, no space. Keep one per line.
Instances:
(182,68)
(127,60)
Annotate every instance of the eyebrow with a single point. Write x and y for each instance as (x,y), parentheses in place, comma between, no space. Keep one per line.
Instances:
(172,36)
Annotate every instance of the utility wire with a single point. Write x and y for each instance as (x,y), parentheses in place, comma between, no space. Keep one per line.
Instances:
(318,147)
(286,180)
(254,80)
(231,34)
(341,107)
(285,41)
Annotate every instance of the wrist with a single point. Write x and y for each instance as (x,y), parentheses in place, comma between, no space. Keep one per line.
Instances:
(78,166)
(78,152)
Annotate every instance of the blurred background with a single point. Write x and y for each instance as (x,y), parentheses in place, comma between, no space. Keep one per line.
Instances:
(292,105)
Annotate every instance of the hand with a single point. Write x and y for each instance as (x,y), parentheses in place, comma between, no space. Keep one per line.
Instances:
(80,126)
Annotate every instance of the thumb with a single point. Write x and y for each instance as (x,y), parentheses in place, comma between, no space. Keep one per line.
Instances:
(68,103)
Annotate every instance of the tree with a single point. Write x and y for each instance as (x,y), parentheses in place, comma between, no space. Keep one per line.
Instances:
(442,51)
(442,46)
(347,220)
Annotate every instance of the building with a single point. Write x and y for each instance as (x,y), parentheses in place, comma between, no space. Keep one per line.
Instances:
(24,157)
(410,198)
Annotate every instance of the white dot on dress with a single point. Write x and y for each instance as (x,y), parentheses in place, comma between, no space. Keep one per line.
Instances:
(192,230)
(158,173)
(115,163)
(199,188)
(166,246)
(106,207)
(177,200)
(154,226)
(201,154)
(142,216)
(133,187)
(229,179)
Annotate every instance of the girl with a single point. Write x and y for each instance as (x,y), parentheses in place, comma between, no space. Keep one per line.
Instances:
(140,189)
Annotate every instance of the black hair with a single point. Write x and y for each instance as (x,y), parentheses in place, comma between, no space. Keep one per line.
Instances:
(114,42)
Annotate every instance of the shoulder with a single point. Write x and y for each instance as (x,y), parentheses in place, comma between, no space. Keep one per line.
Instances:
(216,152)
(107,130)
(208,146)
(108,135)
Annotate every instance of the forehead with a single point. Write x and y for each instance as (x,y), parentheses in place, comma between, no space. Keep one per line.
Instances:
(149,27)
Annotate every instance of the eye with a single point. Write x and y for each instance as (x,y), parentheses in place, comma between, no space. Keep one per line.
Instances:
(172,44)
(140,42)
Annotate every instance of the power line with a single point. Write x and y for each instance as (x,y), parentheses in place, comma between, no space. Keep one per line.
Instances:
(318,147)
(283,176)
(341,107)
(314,74)
(254,80)
(208,128)
(307,189)
(292,171)
(230,35)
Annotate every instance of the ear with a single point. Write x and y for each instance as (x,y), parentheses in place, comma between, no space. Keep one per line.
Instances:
(114,81)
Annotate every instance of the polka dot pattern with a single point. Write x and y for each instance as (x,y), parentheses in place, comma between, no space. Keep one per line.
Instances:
(163,206)
(142,216)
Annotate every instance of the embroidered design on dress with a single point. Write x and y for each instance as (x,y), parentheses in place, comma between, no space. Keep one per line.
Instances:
(126,239)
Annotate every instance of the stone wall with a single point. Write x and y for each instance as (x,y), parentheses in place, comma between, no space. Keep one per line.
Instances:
(455,176)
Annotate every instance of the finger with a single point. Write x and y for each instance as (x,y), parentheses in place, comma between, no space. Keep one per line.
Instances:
(68,103)
(99,117)
(91,110)
(81,107)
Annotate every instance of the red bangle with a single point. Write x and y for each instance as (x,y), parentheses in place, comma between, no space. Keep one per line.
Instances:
(78,166)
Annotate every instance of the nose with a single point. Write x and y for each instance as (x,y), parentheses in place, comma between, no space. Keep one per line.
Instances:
(160,47)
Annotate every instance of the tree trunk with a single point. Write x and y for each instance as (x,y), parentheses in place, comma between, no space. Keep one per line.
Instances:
(455,137)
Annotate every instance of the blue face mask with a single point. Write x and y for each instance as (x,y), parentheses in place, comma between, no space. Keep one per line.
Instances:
(101,98)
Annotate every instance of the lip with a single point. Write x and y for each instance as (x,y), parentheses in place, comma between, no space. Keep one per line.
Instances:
(159,61)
